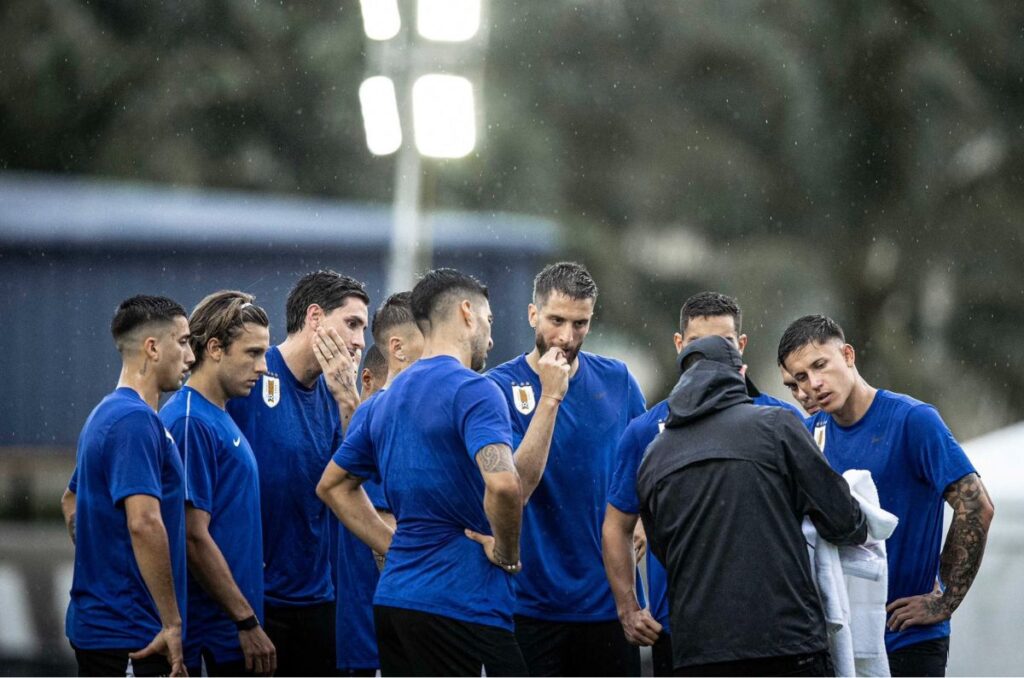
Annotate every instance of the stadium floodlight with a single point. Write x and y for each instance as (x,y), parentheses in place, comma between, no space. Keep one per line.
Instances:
(381,20)
(444,116)
(380,115)
(448,20)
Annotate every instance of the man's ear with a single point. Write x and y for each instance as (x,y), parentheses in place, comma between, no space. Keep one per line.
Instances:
(533,315)
(314,316)
(367,378)
(677,339)
(396,347)
(466,309)
(741,343)
(849,355)
(149,348)
(214,349)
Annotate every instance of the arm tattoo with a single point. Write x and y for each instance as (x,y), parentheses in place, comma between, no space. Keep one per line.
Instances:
(965,542)
(343,378)
(495,459)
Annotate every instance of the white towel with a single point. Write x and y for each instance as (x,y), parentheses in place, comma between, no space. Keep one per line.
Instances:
(852,582)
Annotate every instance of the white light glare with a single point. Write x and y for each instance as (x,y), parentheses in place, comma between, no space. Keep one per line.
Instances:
(448,20)
(444,118)
(380,115)
(381,19)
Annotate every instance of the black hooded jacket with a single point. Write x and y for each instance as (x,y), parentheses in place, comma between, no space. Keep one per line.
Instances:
(723,492)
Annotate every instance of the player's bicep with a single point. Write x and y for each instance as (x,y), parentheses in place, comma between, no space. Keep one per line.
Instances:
(495,458)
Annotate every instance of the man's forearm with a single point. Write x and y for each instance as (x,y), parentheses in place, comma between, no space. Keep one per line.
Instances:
(152,553)
(505,514)
(68,507)
(619,564)
(532,455)
(355,510)
(207,564)
(965,541)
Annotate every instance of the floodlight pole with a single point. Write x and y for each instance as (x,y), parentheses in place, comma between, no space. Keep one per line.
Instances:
(406,250)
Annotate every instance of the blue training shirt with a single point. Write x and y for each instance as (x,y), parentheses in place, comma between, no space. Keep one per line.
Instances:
(913,458)
(420,440)
(123,450)
(293,430)
(563,577)
(355,580)
(622,493)
(221,479)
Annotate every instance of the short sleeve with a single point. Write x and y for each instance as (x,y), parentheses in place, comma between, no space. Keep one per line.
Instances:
(133,460)
(482,416)
(936,455)
(356,454)
(635,402)
(198,447)
(622,492)
(73,483)
(499,377)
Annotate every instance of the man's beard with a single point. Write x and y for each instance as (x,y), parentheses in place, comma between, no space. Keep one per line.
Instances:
(478,355)
(570,352)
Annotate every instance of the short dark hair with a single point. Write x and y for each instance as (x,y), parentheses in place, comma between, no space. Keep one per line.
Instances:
(328,289)
(375,361)
(566,277)
(806,330)
(395,311)
(136,312)
(437,289)
(222,315)
(709,305)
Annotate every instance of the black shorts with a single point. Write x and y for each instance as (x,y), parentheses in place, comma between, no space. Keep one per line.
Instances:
(814,664)
(413,643)
(927,658)
(554,648)
(115,663)
(661,653)
(303,637)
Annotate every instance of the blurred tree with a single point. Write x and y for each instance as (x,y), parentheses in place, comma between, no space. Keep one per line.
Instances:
(860,159)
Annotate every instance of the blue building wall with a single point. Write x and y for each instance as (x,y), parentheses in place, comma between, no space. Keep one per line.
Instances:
(71,250)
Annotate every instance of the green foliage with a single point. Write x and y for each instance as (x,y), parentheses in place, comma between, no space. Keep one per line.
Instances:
(862,159)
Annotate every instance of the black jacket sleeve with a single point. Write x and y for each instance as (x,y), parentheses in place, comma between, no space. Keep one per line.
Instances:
(821,493)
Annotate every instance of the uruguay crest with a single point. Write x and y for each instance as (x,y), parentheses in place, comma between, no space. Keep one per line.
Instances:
(271,390)
(819,436)
(522,394)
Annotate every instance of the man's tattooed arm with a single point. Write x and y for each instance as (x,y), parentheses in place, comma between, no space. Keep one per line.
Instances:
(495,459)
(965,541)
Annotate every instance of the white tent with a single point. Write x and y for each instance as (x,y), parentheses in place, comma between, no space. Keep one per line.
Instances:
(988,629)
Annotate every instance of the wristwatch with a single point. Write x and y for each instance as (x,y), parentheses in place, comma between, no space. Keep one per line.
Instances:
(247,624)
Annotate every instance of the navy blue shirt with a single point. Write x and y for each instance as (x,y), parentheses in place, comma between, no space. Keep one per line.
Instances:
(123,450)
(622,493)
(913,458)
(293,431)
(356,577)
(420,440)
(221,479)
(563,577)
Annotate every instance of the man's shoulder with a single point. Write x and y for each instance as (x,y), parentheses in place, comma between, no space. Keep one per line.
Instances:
(508,371)
(602,364)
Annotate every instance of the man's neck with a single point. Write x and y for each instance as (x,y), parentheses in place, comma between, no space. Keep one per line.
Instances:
(395,367)
(533,360)
(857,405)
(205,383)
(141,378)
(440,344)
(297,352)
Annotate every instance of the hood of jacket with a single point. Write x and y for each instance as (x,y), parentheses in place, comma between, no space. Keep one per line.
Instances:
(712,384)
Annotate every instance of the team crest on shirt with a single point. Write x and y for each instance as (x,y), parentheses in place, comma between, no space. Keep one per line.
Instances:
(271,390)
(522,394)
(819,436)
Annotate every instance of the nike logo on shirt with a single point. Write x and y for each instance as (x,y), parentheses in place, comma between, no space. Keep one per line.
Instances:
(237,441)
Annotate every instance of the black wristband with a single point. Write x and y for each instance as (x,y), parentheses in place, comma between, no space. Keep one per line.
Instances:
(247,624)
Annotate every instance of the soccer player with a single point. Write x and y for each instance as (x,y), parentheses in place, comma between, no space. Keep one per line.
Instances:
(230,337)
(356,569)
(801,396)
(439,441)
(915,462)
(374,374)
(702,315)
(566,622)
(294,419)
(128,518)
